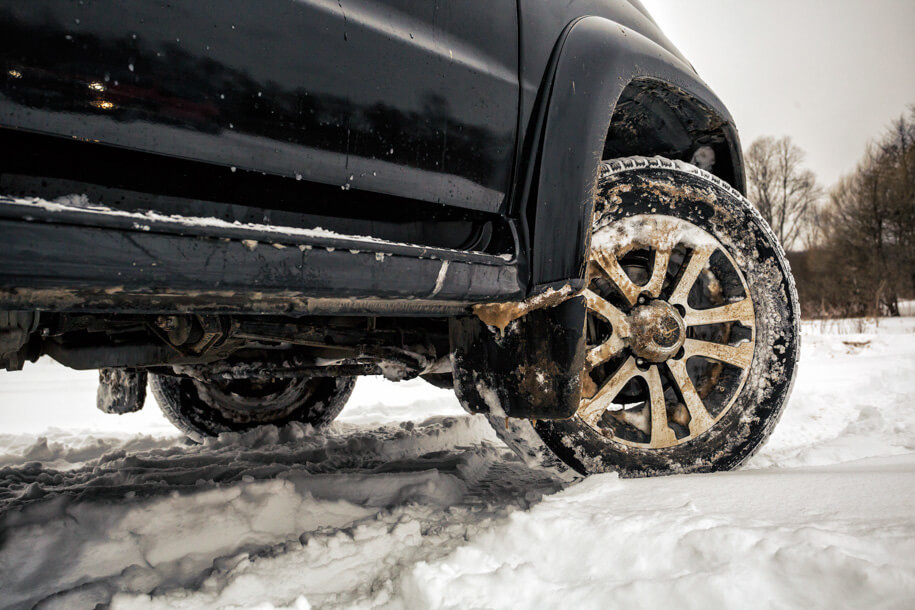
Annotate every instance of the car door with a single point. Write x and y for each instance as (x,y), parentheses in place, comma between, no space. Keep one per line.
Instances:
(414,98)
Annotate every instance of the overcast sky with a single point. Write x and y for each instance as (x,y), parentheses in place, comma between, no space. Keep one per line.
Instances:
(831,74)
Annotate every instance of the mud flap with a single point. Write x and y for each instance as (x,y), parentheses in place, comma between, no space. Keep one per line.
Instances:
(120,390)
(530,370)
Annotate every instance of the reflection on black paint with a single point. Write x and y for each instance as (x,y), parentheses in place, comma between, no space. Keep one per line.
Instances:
(82,73)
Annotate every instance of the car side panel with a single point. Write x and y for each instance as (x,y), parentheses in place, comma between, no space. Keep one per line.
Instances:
(413,98)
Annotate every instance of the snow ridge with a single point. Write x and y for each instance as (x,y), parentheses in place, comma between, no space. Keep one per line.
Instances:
(173,516)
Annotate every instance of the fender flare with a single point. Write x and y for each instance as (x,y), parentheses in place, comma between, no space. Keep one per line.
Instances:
(596,59)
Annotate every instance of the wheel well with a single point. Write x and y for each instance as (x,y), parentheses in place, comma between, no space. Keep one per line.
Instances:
(656,118)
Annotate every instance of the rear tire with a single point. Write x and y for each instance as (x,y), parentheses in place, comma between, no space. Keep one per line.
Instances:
(203,409)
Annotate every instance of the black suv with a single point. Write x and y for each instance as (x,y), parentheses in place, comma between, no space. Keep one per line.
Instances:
(245,205)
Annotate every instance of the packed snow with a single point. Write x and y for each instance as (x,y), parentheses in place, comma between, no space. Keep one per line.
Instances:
(407,502)
(80,204)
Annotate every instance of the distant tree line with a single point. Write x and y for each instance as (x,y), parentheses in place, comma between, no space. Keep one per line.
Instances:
(852,250)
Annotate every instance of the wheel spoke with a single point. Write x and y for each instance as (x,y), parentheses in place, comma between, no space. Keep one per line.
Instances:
(604,309)
(739,356)
(658,273)
(614,272)
(700,419)
(591,409)
(697,263)
(606,350)
(661,433)
(741,311)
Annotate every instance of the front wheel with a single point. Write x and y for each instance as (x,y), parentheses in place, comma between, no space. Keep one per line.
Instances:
(691,335)
(208,408)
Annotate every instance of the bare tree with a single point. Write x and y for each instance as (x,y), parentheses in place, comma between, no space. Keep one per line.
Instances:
(862,262)
(785,193)
(868,246)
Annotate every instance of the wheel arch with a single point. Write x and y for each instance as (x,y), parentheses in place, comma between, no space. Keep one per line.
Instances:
(612,93)
(652,117)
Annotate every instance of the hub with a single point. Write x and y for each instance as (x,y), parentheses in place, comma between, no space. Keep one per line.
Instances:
(657,331)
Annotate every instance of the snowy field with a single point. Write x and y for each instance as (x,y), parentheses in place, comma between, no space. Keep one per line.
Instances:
(408,503)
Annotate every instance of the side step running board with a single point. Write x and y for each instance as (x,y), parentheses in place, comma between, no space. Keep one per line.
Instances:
(77,257)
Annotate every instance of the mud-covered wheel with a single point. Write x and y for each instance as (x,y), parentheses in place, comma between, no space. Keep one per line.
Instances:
(691,333)
(207,408)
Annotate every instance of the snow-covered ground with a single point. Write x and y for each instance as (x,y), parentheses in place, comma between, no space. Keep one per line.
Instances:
(408,503)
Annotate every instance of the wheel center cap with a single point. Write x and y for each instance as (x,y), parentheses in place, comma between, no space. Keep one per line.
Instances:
(657,331)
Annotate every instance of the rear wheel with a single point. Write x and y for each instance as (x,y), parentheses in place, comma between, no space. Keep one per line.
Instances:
(692,330)
(207,408)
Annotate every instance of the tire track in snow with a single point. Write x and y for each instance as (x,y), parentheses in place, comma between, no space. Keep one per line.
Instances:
(197,520)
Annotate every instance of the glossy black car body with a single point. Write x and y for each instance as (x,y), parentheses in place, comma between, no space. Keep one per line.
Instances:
(366,161)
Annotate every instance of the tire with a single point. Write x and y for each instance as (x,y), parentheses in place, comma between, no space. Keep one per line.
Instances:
(692,334)
(204,409)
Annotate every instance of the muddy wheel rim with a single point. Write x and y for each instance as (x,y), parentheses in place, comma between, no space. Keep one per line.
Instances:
(671,332)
